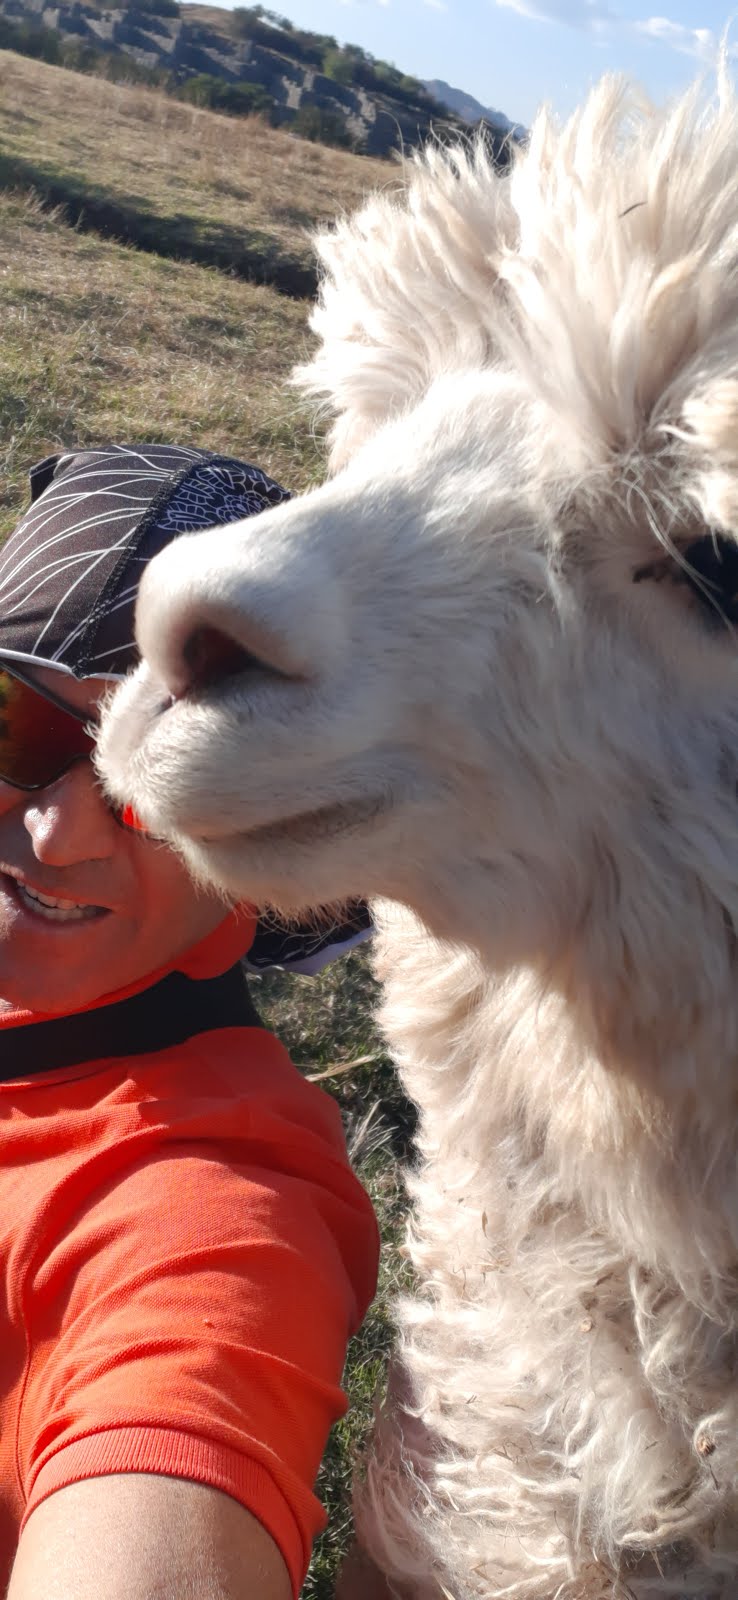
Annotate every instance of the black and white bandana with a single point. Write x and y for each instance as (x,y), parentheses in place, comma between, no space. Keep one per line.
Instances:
(69,573)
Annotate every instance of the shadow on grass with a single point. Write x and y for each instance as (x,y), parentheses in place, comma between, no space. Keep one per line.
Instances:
(255,257)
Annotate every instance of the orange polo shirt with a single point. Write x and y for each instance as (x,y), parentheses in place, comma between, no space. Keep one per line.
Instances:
(184,1249)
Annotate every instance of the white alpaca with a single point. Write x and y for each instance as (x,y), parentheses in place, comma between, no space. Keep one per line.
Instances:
(492,677)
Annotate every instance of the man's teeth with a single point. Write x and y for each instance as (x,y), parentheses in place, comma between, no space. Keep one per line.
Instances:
(56,910)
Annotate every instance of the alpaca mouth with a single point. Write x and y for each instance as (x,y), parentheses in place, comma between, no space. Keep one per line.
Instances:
(310,827)
(210,812)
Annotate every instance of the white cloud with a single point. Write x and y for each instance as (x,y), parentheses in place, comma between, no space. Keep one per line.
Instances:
(698,42)
(598,17)
(587,14)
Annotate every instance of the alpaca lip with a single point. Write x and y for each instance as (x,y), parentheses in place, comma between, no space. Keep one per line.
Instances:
(331,820)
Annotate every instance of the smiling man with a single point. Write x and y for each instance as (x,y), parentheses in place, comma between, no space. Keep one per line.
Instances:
(85,906)
(185,1251)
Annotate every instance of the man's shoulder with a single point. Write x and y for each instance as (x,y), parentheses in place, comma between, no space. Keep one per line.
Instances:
(199,1115)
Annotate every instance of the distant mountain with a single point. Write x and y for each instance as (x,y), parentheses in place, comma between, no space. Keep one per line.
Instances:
(471,110)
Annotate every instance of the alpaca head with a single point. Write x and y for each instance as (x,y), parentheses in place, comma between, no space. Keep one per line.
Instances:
(491,666)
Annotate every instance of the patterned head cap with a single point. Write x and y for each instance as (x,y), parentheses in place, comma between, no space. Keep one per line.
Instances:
(70,571)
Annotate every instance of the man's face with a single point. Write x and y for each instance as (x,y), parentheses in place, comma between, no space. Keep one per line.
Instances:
(127,904)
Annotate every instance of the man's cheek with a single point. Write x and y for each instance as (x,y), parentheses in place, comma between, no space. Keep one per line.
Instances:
(9,797)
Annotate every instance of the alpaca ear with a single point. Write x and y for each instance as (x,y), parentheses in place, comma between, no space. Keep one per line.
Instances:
(407,292)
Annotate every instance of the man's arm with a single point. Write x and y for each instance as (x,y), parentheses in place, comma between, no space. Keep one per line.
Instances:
(136,1536)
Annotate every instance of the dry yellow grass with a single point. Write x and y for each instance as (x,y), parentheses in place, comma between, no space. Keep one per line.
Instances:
(187,181)
(104,341)
(101,341)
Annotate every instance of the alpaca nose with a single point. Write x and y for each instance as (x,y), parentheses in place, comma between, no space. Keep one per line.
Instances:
(210,656)
(200,621)
(200,651)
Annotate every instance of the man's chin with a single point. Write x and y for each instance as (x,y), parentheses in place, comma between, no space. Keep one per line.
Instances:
(56,970)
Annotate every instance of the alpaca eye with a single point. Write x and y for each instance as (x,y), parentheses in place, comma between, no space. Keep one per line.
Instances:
(711,570)
(709,567)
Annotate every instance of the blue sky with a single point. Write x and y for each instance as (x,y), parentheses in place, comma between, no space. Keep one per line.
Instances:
(514,53)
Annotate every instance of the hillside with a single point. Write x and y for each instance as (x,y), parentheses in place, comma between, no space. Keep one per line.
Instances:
(242,61)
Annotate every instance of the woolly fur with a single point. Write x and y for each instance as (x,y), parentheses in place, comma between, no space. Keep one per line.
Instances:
(501,704)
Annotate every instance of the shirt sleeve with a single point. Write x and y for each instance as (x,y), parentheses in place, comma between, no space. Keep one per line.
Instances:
(193,1316)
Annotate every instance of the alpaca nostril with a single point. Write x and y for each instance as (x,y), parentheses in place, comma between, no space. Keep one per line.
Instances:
(211,656)
(197,629)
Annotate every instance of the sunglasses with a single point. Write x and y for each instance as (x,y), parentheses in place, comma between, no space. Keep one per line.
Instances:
(41,738)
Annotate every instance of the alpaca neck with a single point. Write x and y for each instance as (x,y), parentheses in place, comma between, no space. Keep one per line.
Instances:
(502,1062)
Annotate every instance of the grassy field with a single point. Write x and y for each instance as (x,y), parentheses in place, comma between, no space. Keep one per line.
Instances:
(102,341)
(231,192)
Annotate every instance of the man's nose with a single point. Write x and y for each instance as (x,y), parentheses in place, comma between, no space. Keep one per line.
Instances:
(68,821)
